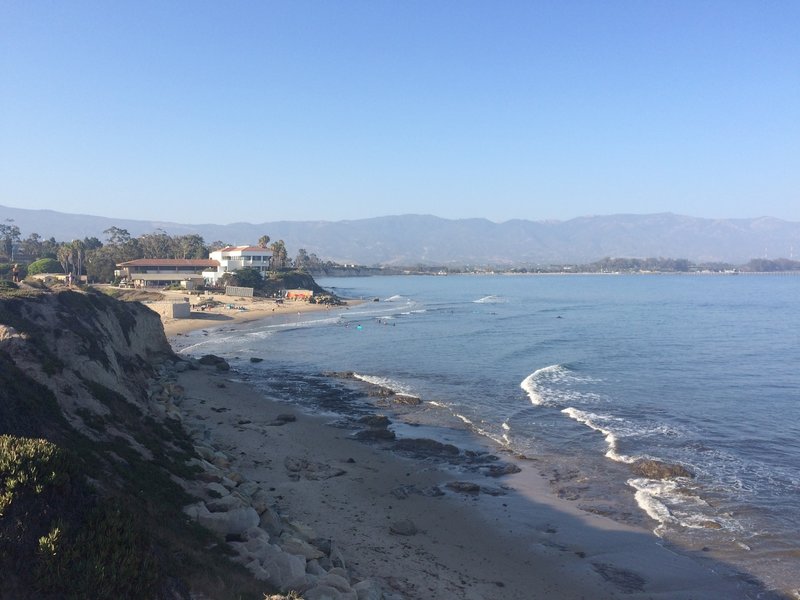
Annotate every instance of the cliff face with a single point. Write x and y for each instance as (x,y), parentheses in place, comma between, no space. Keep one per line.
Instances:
(64,340)
(89,458)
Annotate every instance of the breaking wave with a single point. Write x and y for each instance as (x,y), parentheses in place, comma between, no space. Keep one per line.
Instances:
(600,423)
(490,300)
(532,383)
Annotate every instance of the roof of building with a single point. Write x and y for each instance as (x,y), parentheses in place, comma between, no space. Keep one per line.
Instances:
(244,249)
(170,262)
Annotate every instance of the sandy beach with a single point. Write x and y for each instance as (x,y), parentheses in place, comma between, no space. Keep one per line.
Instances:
(245,310)
(396,520)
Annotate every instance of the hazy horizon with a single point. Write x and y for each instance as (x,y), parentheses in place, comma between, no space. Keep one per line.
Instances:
(388,216)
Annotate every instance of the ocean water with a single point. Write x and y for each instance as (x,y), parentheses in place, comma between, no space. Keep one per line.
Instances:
(588,374)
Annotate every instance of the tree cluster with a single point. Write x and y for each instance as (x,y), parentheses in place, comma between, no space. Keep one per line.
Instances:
(92,257)
(98,260)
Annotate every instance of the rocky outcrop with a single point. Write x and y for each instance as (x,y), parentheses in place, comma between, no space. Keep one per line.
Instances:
(385,395)
(377,429)
(655,469)
(219,363)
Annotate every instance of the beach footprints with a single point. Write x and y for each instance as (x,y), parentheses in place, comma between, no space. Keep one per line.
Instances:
(302,468)
(404,491)
(626,581)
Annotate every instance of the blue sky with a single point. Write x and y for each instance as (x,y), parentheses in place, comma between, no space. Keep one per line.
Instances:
(261,111)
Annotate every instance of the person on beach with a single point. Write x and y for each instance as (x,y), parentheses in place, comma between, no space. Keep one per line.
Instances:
(15,273)
(69,279)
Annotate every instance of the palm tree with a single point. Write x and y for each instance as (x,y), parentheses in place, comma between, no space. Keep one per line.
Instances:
(279,255)
(79,255)
(65,256)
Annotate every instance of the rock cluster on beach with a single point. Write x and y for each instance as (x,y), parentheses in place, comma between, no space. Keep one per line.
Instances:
(286,554)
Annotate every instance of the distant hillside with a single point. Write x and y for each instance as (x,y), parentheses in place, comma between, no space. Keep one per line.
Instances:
(415,239)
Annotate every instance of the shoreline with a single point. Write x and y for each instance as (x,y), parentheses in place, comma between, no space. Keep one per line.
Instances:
(522,544)
(255,309)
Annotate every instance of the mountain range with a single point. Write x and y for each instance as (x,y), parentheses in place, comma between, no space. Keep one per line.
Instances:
(429,240)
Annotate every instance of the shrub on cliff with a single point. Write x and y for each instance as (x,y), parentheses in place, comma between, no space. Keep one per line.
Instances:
(58,537)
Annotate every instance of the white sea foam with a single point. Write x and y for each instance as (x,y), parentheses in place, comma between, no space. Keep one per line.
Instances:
(191,348)
(672,503)
(463,418)
(306,323)
(647,496)
(261,334)
(387,383)
(597,422)
(501,440)
(531,383)
(506,429)
(395,298)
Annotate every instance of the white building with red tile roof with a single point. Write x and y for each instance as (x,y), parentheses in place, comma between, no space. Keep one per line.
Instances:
(233,258)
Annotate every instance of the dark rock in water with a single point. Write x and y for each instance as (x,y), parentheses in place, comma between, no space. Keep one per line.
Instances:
(375,421)
(405,527)
(464,487)
(406,400)
(500,470)
(375,435)
(426,447)
(255,359)
(655,469)
(377,391)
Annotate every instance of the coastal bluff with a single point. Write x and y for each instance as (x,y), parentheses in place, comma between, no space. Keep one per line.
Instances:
(104,493)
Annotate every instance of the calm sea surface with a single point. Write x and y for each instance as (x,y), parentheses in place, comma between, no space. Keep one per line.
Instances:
(590,373)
